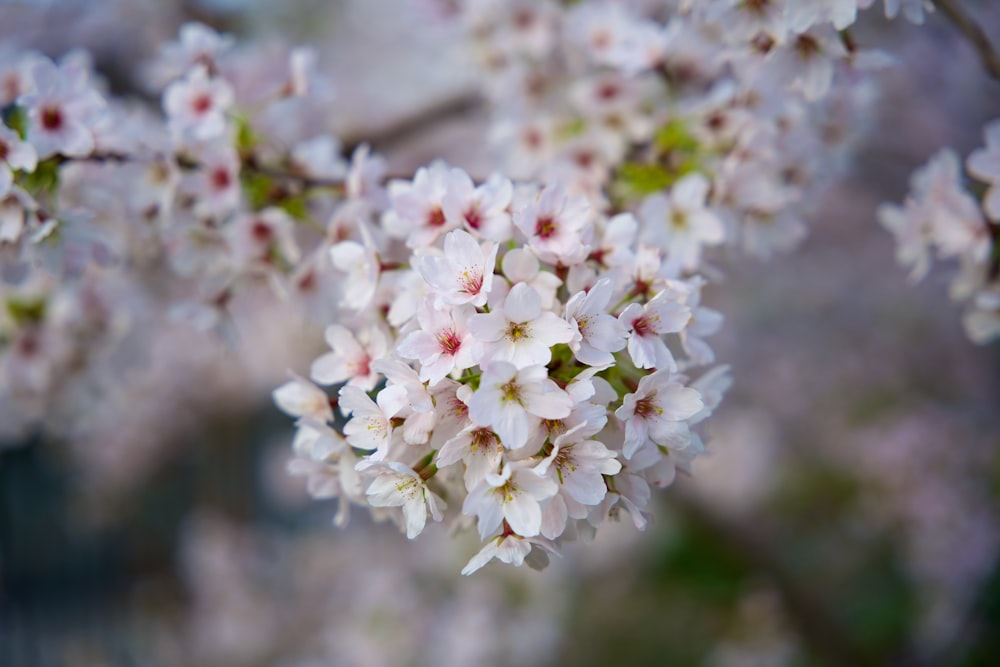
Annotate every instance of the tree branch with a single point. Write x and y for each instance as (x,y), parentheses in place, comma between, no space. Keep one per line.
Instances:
(974,32)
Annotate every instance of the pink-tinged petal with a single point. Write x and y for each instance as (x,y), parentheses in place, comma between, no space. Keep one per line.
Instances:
(667,316)
(689,192)
(643,350)
(489,512)
(299,398)
(630,314)
(520,265)
(523,514)
(437,271)
(991,203)
(679,402)
(709,228)
(636,435)
(393,400)
(552,404)
(511,423)
(984,165)
(420,345)
(620,231)
(436,368)
(384,491)
(460,246)
(415,513)
(513,550)
(585,487)
(551,329)
(537,486)
(488,327)
(343,341)
(330,369)
(485,555)
(522,304)
(554,516)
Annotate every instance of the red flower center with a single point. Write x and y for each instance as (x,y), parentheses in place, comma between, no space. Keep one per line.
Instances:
(449,342)
(52,118)
(473,217)
(642,326)
(201,103)
(436,217)
(221,179)
(545,227)
(261,231)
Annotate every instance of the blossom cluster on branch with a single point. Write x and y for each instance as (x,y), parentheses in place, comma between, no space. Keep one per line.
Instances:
(525,350)
(943,217)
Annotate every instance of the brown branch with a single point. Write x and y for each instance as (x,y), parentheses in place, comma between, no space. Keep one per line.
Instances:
(974,32)
(422,120)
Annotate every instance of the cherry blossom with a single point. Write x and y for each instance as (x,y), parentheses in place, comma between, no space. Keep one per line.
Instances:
(520,332)
(513,496)
(464,274)
(63,109)
(351,358)
(514,401)
(656,411)
(396,485)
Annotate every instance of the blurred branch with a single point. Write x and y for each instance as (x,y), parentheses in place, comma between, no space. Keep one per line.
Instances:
(974,32)
(421,120)
(806,612)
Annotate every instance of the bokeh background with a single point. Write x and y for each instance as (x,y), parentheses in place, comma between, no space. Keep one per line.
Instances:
(848,513)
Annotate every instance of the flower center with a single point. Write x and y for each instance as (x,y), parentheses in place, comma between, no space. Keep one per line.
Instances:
(52,118)
(4,150)
(483,439)
(472,281)
(545,227)
(261,231)
(473,217)
(643,325)
(449,342)
(436,217)
(516,331)
(511,392)
(807,46)
(646,407)
(221,179)
(201,103)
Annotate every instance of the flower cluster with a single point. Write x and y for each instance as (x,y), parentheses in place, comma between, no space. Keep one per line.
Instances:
(119,224)
(943,217)
(620,102)
(527,354)
(510,354)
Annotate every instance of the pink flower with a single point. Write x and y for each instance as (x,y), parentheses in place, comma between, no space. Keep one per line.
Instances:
(464,274)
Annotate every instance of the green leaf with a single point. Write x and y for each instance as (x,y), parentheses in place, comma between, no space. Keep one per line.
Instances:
(570,129)
(636,179)
(246,138)
(26,311)
(44,179)
(16,118)
(257,187)
(295,206)
(674,137)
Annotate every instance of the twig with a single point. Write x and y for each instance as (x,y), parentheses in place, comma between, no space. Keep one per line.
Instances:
(967,24)
(383,139)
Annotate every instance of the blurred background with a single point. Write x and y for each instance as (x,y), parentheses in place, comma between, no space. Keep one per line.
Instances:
(848,513)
